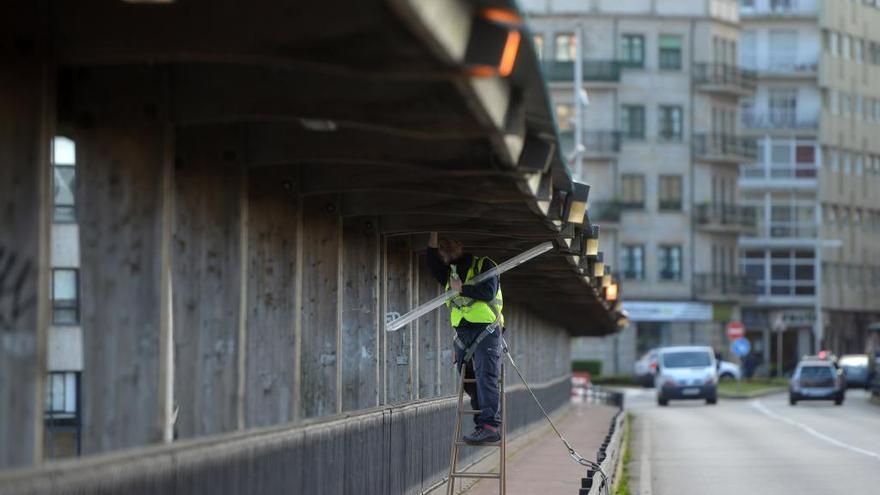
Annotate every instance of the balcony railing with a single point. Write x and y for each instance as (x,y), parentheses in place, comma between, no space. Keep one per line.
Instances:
(594,70)
(778,120)
(601,143)
(779,172)
(787,68)
(726,215)
(781,8)
(607,211)
(722,75)
(726,147)
(708,285)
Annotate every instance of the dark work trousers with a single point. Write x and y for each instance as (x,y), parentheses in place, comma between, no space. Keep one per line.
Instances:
(486,368)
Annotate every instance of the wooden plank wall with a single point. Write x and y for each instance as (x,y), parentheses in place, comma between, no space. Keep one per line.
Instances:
(207,278)
(25,130)
(269,394)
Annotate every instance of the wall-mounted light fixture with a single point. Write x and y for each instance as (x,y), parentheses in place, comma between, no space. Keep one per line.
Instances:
(599,265)
(576,207)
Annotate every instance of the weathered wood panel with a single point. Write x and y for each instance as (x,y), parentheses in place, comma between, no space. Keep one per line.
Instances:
(207,279)
(428,341)
(398,299)
(271,359)
(120,197)
(361,321)
(321,237)
(25,125)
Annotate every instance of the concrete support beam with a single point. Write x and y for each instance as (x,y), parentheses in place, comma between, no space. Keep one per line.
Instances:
(26,127)
(271,353)
(123,188)
(208,213)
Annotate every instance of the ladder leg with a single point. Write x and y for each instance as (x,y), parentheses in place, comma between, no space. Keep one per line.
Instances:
(453,461)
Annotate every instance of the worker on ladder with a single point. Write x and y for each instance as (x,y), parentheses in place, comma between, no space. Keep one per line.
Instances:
(476,317)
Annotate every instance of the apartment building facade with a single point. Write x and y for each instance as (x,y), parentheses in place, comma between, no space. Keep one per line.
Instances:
(816,119)
(664,88)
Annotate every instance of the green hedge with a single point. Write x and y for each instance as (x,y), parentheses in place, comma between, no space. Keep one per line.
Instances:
(625,380)
(591,366)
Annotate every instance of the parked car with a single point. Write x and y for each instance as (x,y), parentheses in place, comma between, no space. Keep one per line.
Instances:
(817,379)
(686,372)
(857,370)
(729,371)
(646,367)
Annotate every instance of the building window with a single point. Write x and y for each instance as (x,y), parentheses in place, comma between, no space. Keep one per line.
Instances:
(670,126)
(632,261)
(783,50)
(64,179)
(539,45)
(669,193)
(748,55)
(670,51)
(632,50)
(783,106)
(632,121)
(670,262)
(65,296)
(858,50)
(61,415)
(632,191)
(564,44)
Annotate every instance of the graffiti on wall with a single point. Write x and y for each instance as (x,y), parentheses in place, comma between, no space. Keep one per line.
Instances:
(17,297)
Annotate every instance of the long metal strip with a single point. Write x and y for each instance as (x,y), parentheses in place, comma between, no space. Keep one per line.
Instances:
(438,301)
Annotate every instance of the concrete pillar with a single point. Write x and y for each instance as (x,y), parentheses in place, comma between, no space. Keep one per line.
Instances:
(209,213)
(26,126)
(271,360)
(124,192)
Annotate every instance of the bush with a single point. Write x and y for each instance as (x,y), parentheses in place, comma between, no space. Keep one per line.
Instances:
(591,366)
(624,380)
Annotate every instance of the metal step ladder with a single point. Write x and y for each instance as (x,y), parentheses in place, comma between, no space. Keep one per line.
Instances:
(457,442)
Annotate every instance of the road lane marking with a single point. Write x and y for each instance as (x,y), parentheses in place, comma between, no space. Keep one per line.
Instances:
(757,404)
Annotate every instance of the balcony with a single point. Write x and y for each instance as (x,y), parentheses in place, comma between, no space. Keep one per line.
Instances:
(605,212)
(595,71)
(787,69)
(725,148)
(781,8)
(790,174)
(713,217)
(724,79)
(724,286)
(597,144)
(764,121)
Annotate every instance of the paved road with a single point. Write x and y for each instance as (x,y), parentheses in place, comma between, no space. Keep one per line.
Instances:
(761,446)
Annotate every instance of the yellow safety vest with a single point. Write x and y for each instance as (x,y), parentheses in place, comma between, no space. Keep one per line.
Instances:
(474,310)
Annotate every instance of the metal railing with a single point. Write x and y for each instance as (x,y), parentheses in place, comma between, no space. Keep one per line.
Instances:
(781,8)
(778,120)
(594,70)
(724,284)
(724,75)
(775,172)
(726,215)
(601,142)
(605,211)
(727,146)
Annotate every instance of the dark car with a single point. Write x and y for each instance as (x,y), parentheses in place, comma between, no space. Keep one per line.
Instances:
(857,370)
(816,379)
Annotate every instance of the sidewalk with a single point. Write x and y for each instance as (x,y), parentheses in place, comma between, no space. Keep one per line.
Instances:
(543,466)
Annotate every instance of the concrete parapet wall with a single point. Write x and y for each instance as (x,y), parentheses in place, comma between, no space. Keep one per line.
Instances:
(396,449)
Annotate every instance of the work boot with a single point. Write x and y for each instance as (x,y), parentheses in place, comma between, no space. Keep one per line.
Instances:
(482,435)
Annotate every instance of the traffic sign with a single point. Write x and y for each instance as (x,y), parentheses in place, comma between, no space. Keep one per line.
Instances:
(735,330)
(741,347)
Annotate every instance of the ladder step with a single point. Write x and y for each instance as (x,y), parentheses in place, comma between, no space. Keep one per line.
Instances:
(476,475)
(490,444)
(469,411)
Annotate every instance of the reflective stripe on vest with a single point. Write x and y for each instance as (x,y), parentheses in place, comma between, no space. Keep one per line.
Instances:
(473,310)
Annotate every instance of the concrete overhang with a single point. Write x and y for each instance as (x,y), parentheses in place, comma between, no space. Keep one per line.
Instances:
(397,107)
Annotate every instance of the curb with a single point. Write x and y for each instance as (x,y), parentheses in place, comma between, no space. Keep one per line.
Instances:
(608,456)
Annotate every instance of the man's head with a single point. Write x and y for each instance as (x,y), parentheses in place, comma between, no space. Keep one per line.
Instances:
(450,250)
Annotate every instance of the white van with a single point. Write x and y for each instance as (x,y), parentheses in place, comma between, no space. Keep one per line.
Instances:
(686,372)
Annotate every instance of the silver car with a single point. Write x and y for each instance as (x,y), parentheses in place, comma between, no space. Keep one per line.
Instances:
(686,372)
(817,379)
